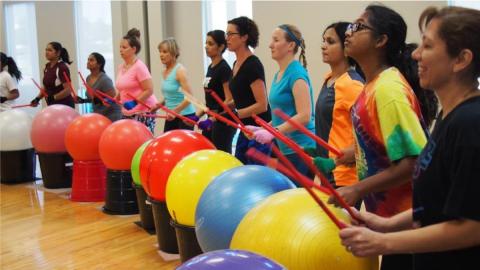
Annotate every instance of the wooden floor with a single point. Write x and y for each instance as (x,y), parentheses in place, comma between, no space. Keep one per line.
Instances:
(45,230)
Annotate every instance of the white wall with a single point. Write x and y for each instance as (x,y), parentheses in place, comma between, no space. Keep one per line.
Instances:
(184,23)
(312,17)
(55,22)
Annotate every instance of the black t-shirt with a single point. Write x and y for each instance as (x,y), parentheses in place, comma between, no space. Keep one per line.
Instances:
(250,71)
(446,182)
(214,80)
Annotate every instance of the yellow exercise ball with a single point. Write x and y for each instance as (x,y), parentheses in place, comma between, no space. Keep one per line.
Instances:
(291,228)
(190,177)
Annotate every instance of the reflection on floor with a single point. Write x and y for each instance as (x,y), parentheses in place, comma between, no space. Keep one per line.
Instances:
(42,229)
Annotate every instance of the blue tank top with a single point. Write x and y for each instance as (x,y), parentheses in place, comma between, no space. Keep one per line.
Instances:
(173,95)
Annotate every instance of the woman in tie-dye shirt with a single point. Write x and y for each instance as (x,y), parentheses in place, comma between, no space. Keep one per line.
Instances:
(387,119)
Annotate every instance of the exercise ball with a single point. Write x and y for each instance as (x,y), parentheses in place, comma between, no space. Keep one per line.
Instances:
(291,228)
(15,127)
(231,260)
(83,135)
(49,126)
(120,140)
(161,156)
(135,168)
(229,197)
(190,178)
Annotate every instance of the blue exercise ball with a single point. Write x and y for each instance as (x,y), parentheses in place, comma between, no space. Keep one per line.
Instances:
(231,260)
(229,197)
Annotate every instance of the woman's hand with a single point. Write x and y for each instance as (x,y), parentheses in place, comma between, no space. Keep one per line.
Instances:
(363,242)
(348,157)
(350,195)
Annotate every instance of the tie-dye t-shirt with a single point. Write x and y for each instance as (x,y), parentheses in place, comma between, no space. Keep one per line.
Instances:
(388,127)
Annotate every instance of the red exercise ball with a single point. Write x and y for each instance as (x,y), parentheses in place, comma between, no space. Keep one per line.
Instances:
(119,142)
(161,156)
(83,135)
(49,126)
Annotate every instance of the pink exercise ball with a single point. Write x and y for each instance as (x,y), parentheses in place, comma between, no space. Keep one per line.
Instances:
(49,126)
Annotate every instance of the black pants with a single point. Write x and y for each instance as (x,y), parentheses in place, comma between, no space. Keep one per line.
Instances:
(221,135)
(243,144)
(397,262)
(177,123)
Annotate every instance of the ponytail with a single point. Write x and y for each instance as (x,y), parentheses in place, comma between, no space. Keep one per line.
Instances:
(409,69)
(12,66)
(302,58)
(64,56)
(388,22)
(63,52)
(293,34)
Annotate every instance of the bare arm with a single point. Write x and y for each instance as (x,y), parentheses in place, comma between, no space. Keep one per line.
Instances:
(395,175)
(182,79)
(449,235)
(261,101)
(228,93)
(399,222)
(65,92)
(112,93)
(301,96)
(147,87)
(13,94)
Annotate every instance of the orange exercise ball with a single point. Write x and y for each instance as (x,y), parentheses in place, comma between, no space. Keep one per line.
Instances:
(120,141)
(163,154)
(83,135)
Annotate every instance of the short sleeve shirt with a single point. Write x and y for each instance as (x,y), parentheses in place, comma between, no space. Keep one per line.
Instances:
(128,81)
(53,80)
(281,97)
(7,84)
(105,84)
(333,122)
(388,127)
(250,71)
(446,182)
(214,80)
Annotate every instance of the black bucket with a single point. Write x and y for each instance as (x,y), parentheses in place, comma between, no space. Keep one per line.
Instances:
(120,198)
(145,209)
(187,241)
(166,238)
(17,166)
(56,169)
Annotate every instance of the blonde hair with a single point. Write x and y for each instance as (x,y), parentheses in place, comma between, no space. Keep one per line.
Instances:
(172,46)
(299,42)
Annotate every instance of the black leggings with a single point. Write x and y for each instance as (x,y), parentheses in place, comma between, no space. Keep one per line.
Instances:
(221,135)
(177,123)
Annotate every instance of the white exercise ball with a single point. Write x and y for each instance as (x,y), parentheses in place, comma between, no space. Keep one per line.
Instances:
(15,127)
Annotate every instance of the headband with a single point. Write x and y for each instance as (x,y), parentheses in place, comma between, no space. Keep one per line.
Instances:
(291,35)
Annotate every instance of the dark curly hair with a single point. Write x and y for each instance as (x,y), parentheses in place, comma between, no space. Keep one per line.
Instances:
(246,26)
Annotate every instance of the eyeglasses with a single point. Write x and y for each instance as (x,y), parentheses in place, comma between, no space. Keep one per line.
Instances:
(229,34)
(355,27)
